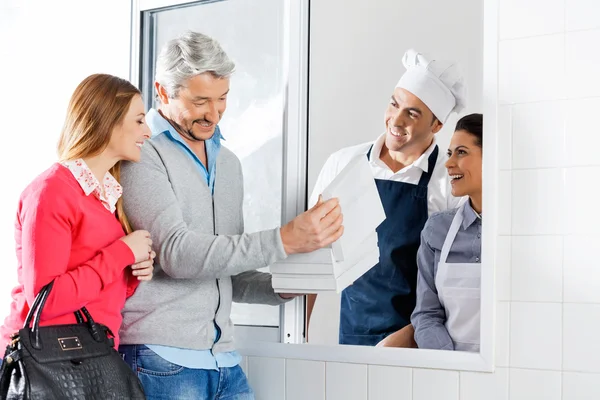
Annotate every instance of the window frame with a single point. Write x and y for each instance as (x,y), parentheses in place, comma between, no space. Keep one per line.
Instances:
(484,361)
(292,314)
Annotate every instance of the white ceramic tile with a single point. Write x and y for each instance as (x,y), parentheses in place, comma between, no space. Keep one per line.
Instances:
(538,138)
(479,386)
(304,380)
(582,191)
(535,335)
(582,61)
(389,383)
(523,18)
(435,384)
(537,198)
(267,377)
(504,137)
(582,14)
(531,69)
(502,334)
(534,385)
(582,133)
(537,267)
(578,386)
(581,345)
(345,381)
(503,268)
(504,202)
(581,272)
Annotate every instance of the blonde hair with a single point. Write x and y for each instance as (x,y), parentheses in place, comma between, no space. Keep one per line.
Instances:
(99,104)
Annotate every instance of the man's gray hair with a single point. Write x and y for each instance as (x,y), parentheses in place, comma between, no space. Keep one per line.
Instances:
(189,55)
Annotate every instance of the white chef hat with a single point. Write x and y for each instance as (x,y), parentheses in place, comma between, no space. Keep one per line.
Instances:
(439,84)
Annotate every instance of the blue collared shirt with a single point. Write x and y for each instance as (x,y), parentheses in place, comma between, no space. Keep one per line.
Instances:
(198,359)
(160,126)
(429,316)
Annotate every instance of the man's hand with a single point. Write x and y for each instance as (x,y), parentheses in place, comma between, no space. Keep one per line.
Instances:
(314,229)
(405,337)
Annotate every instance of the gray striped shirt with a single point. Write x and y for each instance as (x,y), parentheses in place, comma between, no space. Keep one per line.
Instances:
(429,315)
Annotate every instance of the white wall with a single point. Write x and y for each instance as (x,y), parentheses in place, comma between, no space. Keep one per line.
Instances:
(549,286)
(356,60)
(46,49)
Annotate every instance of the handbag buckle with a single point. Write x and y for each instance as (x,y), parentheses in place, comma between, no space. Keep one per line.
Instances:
(70,343)
(14,341)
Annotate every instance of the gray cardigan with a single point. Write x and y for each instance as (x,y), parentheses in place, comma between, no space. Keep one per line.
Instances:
(204,258)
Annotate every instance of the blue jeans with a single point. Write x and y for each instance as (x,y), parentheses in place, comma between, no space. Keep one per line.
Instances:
(163,380)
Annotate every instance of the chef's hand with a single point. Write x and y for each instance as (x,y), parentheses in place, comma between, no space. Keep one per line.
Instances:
(314,229)
(405,337)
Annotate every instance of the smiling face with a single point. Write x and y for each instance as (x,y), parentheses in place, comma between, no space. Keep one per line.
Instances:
(198,106)
(464,164)
(128,137)
(410,124)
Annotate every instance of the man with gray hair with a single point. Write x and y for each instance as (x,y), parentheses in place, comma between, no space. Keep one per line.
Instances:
(187,191)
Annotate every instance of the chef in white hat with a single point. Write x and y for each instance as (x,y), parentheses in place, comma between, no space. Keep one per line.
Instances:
(413,183)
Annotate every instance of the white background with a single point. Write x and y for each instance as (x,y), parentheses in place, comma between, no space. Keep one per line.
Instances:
(46,49)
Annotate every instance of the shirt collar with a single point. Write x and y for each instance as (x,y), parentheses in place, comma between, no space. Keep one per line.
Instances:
(421,162)
(159,125)
(469,215)
(89,183)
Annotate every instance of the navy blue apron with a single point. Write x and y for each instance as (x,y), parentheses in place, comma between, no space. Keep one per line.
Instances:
(381,301)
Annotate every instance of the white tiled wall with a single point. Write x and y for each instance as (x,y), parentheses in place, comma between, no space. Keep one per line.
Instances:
(346,381)
(445,387)
(548,315)
(386,380)
(532,69)
(261,375)
(581,131)
(312,384)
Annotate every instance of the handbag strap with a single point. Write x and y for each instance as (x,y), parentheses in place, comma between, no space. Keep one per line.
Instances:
(36,304)
(35,313)
(79,317)
(36,343)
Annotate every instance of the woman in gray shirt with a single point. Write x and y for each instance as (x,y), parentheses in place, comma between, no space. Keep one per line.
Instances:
(446,316)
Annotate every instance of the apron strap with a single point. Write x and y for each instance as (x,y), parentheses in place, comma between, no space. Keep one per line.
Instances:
(456,223)
(426,176)
(369,153)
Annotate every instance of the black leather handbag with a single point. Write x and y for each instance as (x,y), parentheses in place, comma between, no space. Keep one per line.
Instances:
(59,362)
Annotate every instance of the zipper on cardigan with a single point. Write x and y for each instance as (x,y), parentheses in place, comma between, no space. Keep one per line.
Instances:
(217,280)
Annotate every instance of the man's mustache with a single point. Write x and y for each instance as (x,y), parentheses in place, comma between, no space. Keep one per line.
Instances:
(203,120)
